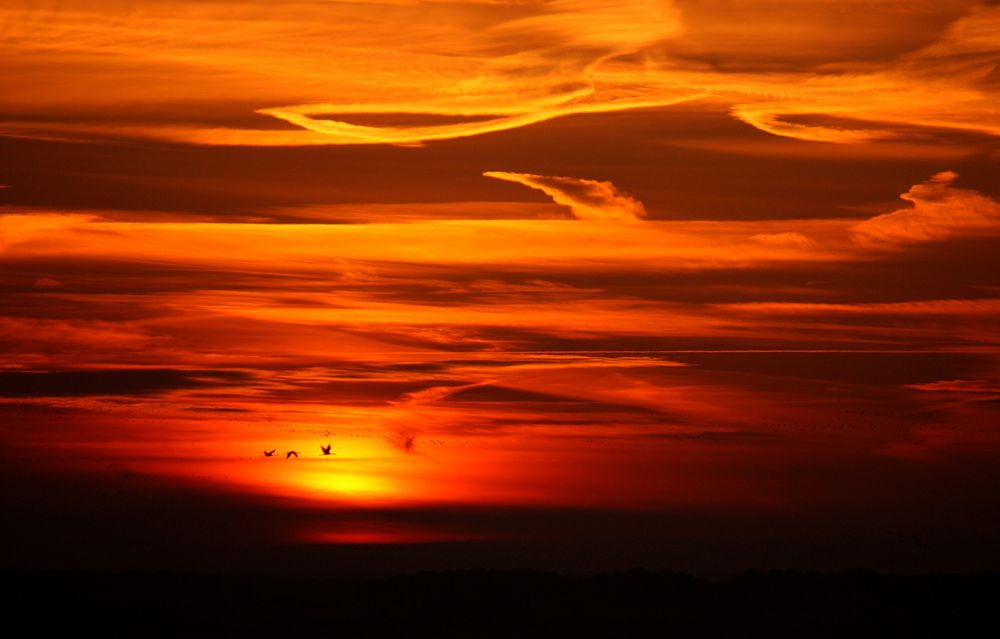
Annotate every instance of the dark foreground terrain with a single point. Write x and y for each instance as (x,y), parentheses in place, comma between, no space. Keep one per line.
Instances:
(503,604)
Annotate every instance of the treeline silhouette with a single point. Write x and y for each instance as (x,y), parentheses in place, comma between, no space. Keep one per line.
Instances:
(504,604)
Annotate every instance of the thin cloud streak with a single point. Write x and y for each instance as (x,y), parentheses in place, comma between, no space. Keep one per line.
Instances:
(586,199)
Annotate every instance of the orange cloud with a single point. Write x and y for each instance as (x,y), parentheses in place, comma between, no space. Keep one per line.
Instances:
(468,69)
(586,199)
(955,307)
(17,228)
(790,239)
(974,386)
(551,245)
(939,211)
(506,65)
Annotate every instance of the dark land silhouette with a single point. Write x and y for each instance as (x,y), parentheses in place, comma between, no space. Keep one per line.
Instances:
(482,603)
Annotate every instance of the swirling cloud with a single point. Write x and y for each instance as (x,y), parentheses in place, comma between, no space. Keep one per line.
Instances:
(330,71)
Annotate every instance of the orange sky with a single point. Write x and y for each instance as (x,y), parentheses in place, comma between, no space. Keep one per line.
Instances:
(532,267)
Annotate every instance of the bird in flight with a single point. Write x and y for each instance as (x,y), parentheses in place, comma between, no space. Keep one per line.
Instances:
(269,453)
(326,449)
(290,453)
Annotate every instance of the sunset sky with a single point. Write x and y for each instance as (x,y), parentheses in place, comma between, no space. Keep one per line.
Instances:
(694,284)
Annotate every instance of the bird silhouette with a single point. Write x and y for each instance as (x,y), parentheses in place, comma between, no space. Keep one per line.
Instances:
(290,453)
(326,449)
(269,453)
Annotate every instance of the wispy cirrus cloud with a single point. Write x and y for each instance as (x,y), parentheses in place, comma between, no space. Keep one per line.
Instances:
(493,66)
(948,307)
(586,199)
(989,387)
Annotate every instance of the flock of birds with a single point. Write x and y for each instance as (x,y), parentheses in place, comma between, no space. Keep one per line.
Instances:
(326,450)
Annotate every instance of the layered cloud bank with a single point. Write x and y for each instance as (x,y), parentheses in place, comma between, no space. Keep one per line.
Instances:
(435,281)
(331,71)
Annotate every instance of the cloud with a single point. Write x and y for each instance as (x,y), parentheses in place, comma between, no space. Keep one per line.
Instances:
(789,240)
(433,394)
(311,249)
(544,67)
(587,199)
(47,282)
(975,386)
(495,65)
(939,211)
(984,307)
(112,382)
(608,26)
(507,64)
(16,229)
